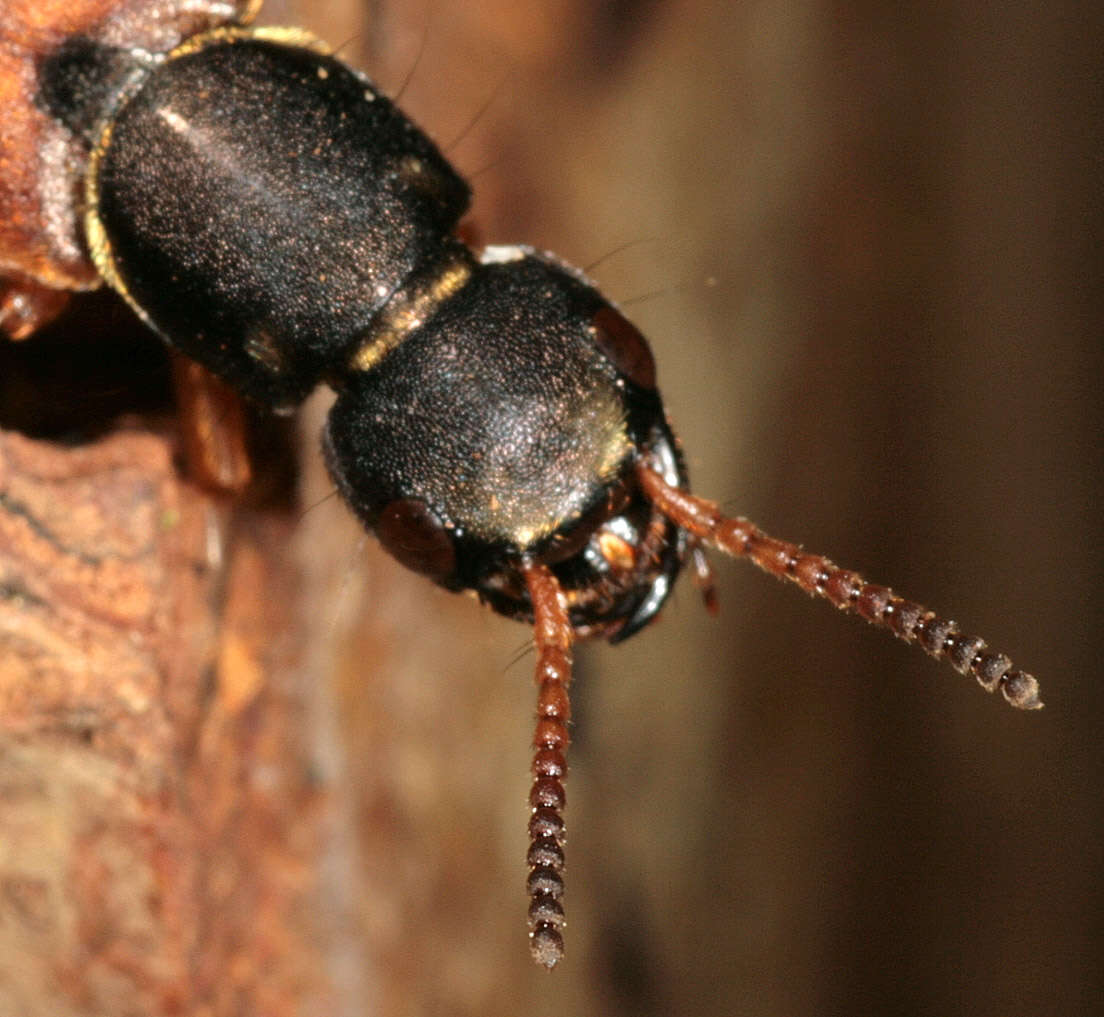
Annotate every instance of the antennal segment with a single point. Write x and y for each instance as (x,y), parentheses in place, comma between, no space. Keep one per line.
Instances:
(553,636)
(847,590)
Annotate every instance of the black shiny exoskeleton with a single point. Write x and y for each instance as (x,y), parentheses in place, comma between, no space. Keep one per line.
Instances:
(497,423)
(487,408)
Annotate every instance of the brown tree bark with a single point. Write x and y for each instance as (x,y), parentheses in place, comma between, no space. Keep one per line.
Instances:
(160,819)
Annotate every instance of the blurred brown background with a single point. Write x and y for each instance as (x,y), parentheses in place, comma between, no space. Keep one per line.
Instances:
(862,240)
(865,249)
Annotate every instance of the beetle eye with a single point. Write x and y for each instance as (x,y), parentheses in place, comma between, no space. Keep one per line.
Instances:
(414,535)
(620,340)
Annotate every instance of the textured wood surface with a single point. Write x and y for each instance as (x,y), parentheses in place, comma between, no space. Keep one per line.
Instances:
(159,847)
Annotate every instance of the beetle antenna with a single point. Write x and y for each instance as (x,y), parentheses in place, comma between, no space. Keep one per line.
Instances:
(553,636)
(847,590)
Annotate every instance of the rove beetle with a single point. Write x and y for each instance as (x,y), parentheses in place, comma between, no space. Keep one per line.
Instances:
(497,422)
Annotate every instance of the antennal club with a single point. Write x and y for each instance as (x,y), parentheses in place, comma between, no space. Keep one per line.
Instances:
(847,590)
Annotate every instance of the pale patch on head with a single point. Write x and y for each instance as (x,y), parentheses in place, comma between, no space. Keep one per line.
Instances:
(501,254)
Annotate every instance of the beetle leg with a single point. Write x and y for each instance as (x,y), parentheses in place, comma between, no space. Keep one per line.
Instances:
(213,426)
(25,307)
